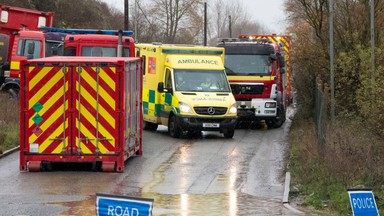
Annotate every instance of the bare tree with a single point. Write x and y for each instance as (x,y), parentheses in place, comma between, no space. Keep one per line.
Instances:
(173,15)
(239,20)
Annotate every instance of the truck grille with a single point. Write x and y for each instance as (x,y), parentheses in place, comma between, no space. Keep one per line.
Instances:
(210,110)
(247,89)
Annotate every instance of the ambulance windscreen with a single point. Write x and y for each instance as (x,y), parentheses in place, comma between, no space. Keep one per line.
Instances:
(200,80)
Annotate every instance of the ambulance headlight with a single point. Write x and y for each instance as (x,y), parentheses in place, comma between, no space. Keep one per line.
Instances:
(233,109)
(270,105)
(184,107)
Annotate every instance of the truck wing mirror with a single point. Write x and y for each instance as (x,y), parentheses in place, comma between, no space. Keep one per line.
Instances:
(281,60)
(272,57)
(282,71)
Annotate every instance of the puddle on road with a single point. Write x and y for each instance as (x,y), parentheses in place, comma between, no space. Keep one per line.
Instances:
(230,204)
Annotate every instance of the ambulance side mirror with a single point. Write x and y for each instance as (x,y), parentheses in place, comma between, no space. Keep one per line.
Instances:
(160,87)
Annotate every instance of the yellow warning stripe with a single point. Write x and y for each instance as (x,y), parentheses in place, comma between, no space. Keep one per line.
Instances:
(92,140)
(41,75)
(102,92)
(104,76)
(92,119)
(59,148)
(102,111)
(102,148)
(15,65)
(251,78)
(57,78)
(46,143)
(47,123)
(91,100)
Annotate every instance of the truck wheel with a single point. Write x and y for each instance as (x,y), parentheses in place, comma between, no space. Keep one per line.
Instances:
(13,93)
(277,122)
(149,126)
(229,133)
(173,128)
(34,166)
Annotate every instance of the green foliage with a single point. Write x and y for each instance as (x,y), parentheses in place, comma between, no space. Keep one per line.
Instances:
(87,14)
(359,91)
(9,123)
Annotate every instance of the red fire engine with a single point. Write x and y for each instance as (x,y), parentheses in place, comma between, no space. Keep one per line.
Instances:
(258,69)
(20,39)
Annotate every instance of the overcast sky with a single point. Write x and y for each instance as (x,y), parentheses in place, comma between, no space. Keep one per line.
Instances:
(267,12)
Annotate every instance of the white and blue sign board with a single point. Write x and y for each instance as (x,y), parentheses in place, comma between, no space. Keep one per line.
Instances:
(123,205)
(363,203)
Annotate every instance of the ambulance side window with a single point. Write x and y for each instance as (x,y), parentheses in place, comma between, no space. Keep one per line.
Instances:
(168,79)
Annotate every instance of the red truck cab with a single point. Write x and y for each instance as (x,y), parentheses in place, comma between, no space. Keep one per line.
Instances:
(20,39)
(99,43)
(258,71)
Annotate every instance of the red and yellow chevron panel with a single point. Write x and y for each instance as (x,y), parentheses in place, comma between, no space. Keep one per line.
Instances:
(80,109)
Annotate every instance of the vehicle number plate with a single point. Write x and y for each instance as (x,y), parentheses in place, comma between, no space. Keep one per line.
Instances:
(211,125)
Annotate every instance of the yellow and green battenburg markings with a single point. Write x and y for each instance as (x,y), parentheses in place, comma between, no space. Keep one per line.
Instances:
(149,103)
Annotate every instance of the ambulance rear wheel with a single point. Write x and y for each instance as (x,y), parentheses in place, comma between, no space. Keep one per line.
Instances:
(149,126)
(174,129)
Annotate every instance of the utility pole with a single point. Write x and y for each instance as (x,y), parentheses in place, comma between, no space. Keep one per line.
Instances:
(126,15)
(136,21)
(205,23)
(331,56)
(373,52)
(230,26)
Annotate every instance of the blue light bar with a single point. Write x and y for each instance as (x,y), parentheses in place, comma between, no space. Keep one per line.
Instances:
(181,51)
(86,31)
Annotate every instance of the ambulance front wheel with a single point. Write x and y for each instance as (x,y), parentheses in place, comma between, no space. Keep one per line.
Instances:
(173,128)
(229,133)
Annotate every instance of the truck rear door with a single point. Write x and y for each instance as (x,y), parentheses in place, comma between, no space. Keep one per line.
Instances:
(72,109)
(96,106)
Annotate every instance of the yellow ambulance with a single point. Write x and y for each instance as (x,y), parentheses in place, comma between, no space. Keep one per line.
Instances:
(186,89)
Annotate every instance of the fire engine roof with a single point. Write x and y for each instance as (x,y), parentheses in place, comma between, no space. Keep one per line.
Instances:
(248,48)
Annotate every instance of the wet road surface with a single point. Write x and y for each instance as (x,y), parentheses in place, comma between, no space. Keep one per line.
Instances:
(207,175)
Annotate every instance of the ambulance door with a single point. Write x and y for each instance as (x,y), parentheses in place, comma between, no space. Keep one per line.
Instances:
(166,96)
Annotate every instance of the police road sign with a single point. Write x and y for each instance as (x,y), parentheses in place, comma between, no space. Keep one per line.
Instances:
(363,203)
(123,205)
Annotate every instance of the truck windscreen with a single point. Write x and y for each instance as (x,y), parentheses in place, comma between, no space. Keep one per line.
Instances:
(102,51)
(247,64)
(201,80)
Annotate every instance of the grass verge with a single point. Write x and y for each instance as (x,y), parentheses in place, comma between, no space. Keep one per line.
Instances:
(351,157)
(9,123)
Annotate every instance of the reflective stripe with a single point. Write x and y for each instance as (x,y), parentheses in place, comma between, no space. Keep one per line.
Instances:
(15,65)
